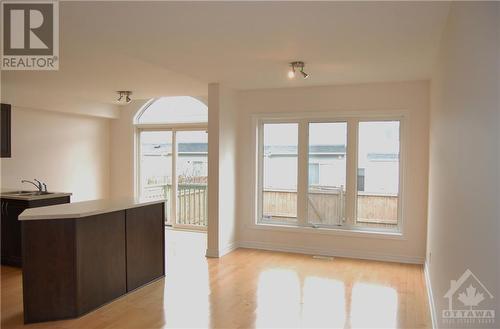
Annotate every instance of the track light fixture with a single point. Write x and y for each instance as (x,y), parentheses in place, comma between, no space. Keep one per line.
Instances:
(297,66)
(124,97)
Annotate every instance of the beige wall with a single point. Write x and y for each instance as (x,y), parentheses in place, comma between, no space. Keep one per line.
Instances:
(412,97)
(464,188)
(123,150)
(69,152)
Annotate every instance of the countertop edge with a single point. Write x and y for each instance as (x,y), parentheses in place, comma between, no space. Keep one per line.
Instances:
(35,197)
(82,214)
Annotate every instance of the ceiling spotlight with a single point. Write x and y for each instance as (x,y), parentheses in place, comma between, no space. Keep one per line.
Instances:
(294,66)
(124,97)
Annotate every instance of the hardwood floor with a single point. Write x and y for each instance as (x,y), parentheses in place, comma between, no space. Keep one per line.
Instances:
(250,288)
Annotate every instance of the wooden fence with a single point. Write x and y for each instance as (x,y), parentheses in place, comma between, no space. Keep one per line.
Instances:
(373,208)
(326,206)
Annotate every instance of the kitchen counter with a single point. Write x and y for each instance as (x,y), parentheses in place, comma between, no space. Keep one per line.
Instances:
(84,209)
(51,195)
(80,256)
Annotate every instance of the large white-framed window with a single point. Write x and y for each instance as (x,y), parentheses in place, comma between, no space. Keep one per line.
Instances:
(172,159)
(330,171)
(279,163)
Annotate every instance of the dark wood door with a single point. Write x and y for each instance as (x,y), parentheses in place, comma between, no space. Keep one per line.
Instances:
(145,245)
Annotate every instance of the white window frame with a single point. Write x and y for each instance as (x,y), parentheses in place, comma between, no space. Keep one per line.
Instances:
(303,120)
(260,178)
(174,128)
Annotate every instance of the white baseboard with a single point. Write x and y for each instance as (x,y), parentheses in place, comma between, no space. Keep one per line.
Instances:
(330,252)
(229,248)
(430,296)
(213,253)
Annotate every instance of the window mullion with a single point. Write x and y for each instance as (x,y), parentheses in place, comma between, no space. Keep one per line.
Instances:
(302,172)
(138,150)
(260,171)
(173,190)
(351,190)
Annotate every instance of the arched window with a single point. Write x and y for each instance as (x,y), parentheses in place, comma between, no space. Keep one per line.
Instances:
(172,158)
(178,109)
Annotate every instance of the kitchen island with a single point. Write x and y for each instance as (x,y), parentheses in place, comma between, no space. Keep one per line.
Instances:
(80,256)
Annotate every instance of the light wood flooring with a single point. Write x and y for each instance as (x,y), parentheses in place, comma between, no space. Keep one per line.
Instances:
(251,288)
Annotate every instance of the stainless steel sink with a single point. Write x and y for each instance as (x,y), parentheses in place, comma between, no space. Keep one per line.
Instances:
(39,193)
(27,193)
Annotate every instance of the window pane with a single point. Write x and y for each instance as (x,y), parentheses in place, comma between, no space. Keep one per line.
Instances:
(279,163)
(327,173)
(156,167)
(378,163)
(192,177)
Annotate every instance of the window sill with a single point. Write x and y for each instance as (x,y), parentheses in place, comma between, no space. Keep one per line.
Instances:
(356,233)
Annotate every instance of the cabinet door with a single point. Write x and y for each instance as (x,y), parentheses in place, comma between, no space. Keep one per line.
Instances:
(11,234)
(145,245)
(5,122)
(4,227)
(14,236)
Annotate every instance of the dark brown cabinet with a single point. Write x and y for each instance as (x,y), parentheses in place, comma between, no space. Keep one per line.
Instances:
(73,266)
(145,261)
(11,226)
(5,123)
(100,257)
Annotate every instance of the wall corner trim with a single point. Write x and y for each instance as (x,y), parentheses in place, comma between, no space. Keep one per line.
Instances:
(430,296)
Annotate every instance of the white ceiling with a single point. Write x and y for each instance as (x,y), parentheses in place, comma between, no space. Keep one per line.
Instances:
(160,48)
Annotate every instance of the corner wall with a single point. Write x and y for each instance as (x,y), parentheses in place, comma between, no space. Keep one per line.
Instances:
(464,188)
(412,97)
(222,152)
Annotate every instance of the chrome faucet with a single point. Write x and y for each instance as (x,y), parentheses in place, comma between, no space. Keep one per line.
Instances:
(38,184)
